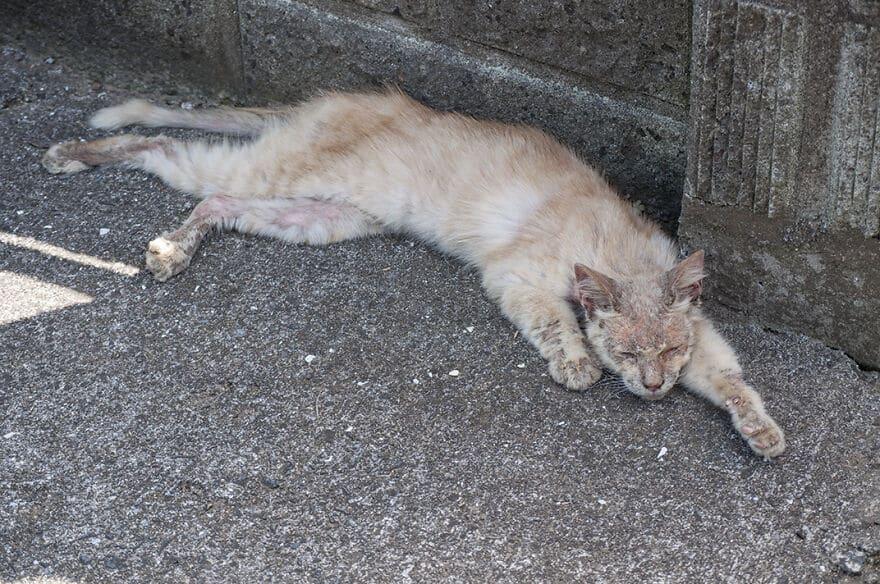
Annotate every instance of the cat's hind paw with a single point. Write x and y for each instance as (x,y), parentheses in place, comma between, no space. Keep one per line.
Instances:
(166,258)
(57,160)
(576,374)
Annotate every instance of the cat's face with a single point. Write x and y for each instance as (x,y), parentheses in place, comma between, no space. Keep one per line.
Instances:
(642,329)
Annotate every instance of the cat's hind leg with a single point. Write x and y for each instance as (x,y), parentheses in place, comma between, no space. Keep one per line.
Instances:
(138,112)
(297,220)
(76,156)
(201,168)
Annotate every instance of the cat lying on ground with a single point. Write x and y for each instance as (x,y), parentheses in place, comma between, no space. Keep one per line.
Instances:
(547,232)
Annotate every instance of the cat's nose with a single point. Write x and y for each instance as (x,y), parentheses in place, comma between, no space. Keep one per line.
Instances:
(652,387)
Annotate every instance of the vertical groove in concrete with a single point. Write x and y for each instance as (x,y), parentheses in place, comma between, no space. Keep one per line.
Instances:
(763,162)
(788,120)
(854,185)
(726,14)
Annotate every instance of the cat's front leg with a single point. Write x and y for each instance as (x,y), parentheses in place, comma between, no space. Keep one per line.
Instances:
(714,373)
(551,325)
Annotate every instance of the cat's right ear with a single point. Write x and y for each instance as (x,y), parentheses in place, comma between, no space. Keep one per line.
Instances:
(594,290)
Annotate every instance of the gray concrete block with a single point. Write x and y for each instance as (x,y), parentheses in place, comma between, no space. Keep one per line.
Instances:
(292,49)
(638,46)
(198,39)
(783,180)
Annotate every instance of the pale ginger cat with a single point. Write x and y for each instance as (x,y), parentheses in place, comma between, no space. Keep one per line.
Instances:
(546,231)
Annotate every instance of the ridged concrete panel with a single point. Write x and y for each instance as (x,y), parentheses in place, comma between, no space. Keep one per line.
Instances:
(748,117)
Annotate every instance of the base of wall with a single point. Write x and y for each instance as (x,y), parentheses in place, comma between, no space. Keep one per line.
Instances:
(785,275)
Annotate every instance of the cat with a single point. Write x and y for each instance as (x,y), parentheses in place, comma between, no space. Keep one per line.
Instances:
(550,236)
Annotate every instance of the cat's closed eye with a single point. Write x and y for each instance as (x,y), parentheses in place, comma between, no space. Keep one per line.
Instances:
(627,356)
(672,351)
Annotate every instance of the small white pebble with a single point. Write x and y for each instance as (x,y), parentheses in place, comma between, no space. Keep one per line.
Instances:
(350,429)
(662,453)
(187,105)
(521,365)
(602,501)
(454,373)
(361,383)
(309,359)
(47,227)
(430,374)
(50,60)
(103,231)
(332,350)
(19,212)
(416,381)
(469,329)
(9,435)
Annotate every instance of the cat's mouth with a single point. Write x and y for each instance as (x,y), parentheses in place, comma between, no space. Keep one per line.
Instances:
(650,394)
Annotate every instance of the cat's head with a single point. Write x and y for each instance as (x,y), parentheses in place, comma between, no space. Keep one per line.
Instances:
(641,328)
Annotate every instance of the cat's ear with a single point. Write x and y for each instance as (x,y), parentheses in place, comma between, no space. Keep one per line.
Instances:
(594,290)
(685,281)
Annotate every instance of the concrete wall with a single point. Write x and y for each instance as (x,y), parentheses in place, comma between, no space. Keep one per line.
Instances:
(783,182)
(608,78)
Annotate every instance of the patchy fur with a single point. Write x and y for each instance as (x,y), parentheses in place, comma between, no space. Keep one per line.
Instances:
(544,228)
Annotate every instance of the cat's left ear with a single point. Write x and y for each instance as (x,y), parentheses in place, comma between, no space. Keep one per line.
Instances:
(685,281)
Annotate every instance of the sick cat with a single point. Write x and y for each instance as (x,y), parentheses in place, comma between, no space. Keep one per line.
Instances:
(546,231)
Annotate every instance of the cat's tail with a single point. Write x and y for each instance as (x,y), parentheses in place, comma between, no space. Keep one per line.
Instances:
(242,121)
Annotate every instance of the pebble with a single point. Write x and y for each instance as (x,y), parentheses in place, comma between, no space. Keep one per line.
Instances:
(103,231)
(270,482)
(852,561)
(309,359)
(469,329)
(454,373)
(662,453)
(521,365)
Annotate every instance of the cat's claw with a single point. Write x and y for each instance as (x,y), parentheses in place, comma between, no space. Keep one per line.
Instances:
(763,435)
(575,374)
(57,161)
(166,258)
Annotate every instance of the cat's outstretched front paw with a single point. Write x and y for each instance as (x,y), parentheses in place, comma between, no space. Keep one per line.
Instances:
(166,258)
(576,374)
(763,435)
(57,159)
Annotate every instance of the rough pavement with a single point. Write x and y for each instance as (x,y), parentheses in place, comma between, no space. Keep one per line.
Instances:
(177,432)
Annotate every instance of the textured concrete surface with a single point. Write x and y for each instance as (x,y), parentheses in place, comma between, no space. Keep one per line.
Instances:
(197,38)
(641,47)
(783,173)
(177,432)
(291,49)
